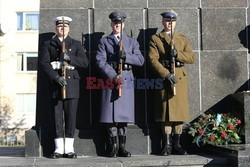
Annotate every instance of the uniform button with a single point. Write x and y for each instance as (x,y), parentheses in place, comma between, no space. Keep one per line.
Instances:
(69,77)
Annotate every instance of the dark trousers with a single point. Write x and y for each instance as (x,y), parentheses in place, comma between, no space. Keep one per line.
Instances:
(117,129)
(65,117)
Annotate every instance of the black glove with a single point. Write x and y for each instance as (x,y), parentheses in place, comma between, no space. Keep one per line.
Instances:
(66,57)
(171,78)
(118,80)
(61,81)
(173,53)
(121,55)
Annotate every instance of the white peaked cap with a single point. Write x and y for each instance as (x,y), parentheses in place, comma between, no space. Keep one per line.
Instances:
(60,19)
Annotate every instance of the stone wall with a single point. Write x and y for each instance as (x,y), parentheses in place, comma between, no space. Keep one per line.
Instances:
(217,30)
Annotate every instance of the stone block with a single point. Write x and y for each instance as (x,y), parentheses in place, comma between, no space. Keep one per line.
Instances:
(223,3)
(243,99)
(32,144)
(88,142)
(173,3)
(194,88)
(237,154)
(137,141)
(77,4)
(120,4)
(134,161)
(223,75)
(220,28)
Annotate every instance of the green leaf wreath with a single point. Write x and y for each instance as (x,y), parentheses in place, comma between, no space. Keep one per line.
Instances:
(216,129)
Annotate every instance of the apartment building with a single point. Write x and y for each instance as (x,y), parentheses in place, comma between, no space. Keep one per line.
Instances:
(19,25)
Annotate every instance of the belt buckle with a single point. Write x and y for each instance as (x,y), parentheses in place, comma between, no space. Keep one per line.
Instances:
(70,67)
(178,64)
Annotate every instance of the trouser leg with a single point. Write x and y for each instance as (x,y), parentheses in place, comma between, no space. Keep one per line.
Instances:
(166,139)
(122,129)
(70,109)
(112,129)
(58,111)
(177,128)
(65,122)
(59,141)
(112,140)
(177,148)
(122,132)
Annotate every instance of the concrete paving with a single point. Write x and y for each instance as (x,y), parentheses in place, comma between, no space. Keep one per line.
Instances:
(14,157)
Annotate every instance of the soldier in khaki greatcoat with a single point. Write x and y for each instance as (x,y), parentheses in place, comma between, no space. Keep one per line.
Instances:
(172,110)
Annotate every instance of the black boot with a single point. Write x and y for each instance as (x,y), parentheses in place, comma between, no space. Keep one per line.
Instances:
(167,144)
(112,148)
(70,155)
(56,155)
(177,148)
(122,152)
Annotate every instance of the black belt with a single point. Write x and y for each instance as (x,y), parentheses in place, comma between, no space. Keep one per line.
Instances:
(179,64)
(125,66)
(167,63)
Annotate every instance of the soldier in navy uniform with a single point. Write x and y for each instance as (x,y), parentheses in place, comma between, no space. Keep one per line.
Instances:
(117,112)
(50,59)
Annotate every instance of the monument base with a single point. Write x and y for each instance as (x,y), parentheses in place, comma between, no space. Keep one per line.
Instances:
(237,154)
(88,142)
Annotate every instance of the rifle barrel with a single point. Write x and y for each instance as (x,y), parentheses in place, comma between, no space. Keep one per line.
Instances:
(64,66)
(120,61)
(173,86)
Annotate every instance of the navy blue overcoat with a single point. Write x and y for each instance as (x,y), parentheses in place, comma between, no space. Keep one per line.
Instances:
(50,52)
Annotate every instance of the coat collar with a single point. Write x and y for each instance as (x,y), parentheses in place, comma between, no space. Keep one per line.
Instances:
(165,36)
(113,41)
(56,42)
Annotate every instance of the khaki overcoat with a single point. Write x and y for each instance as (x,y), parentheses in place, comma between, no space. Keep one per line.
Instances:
(168,107)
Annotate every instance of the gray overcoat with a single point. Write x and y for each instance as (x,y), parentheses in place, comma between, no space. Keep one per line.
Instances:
(114,108)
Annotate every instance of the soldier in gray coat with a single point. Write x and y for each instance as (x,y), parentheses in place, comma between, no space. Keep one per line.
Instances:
(117,111)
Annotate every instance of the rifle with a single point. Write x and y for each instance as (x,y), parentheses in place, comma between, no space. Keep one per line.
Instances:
(120,60)
(64,65)
(172,66)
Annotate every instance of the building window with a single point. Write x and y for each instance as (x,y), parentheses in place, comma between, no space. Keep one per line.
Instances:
(26,103)
(27,61)
(27,21)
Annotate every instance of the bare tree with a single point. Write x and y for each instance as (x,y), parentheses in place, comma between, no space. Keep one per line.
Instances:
(9,129)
